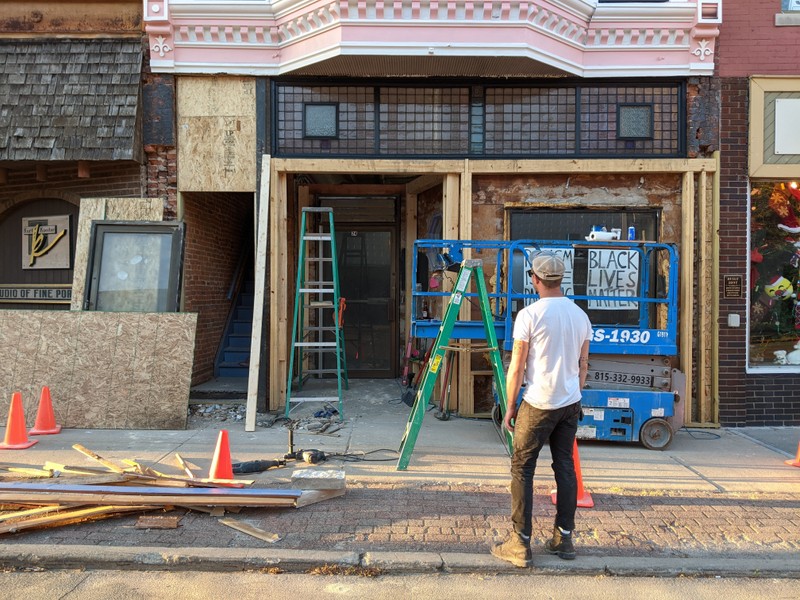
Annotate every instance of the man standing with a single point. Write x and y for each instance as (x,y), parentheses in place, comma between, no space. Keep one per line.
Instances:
(551,352)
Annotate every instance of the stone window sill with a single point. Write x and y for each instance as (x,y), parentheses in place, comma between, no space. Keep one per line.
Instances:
(787,19)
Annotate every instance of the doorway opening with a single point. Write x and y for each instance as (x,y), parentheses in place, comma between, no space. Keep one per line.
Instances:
(368,263)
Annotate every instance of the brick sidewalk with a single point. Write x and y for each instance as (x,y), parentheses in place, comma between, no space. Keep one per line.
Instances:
(467,518)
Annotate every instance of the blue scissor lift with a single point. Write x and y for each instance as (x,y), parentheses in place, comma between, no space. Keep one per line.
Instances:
(633,386)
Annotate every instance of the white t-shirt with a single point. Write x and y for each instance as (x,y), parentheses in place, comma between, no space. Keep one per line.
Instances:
(555,329)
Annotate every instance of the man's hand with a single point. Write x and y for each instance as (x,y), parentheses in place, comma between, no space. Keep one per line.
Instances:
(507,422)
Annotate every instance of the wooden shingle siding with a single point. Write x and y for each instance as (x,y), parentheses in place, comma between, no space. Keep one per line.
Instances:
(66,100)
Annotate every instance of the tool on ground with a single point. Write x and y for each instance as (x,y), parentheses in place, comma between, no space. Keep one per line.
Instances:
(257,466)
(312,457)
(440,347)
(317,343)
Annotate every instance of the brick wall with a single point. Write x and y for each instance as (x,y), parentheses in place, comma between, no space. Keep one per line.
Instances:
(752,43)
(733,248)
(110,180)
(744,399)
(162,177)
(218,230)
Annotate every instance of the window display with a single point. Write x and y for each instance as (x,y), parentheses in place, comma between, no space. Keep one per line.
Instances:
(774,325)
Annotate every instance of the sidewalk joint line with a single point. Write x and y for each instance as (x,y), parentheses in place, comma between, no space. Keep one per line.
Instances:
(762,444)
(699,474)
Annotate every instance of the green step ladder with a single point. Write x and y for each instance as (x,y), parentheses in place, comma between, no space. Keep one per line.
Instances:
(317,335)
(469,269)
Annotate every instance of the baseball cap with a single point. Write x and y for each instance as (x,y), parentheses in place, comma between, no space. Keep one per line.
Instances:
(548,266)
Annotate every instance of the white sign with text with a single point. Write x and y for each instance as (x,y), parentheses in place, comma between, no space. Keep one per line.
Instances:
(613,273)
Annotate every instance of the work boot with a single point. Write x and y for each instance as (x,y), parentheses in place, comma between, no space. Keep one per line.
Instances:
(515,550)
(561,544)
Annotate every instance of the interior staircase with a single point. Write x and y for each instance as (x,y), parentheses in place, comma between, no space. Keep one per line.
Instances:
(233,359)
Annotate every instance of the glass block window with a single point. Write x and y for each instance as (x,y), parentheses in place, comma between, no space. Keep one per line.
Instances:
(635,121)
(530,121)
(480,119)
(356,120)
(321,121)
(424,121)
(599,125)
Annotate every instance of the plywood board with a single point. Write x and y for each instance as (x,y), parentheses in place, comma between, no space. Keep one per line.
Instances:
(76,355)
(216,134)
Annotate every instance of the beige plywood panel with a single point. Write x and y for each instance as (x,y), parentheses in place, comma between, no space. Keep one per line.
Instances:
(216,96)
(217,154)
(104,370)
(134,209)
(216,134)
(91,209)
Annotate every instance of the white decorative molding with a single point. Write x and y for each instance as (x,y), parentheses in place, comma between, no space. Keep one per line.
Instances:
(261,26)
(161,47)
(703,51)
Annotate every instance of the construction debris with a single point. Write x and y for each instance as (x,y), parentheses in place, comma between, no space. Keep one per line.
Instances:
(157,522)
(251,530)
(313,479)
(75,494)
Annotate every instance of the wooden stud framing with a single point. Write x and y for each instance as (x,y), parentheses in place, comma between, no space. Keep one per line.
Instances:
(456,177)
(278,291)
(705,399)
(411,236)
(262,242)
(686,307)
(465,397)
(451,223)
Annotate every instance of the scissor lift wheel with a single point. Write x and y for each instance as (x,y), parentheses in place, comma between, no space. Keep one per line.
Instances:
(656,434)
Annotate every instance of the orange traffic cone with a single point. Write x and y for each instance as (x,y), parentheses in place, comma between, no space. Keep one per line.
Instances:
(221,467)
(16,437)
(584,497)
(45,418)
(796,461)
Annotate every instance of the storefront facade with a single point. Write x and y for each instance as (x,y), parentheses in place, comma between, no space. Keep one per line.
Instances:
(449,120)
(458,120)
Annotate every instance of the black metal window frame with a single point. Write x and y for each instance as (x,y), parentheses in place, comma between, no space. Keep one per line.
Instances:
(476,143)
(100,229)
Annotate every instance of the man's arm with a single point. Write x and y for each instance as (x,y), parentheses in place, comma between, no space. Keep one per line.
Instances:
(583,362)
(516,371)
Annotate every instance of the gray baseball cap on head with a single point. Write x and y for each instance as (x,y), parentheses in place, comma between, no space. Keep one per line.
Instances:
(548,266)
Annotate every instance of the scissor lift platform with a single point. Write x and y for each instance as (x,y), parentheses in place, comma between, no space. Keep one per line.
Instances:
(629,289)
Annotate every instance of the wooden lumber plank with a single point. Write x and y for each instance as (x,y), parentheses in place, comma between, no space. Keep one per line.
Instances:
(107,479)
(34,473)
(97,458)
(21,514)
(686,307)
(495,167)
(157,522)
(67,517)
(209,493)
(262,237)
(251,530)
(51,466)
(151,473)
(182,464)
(23,497)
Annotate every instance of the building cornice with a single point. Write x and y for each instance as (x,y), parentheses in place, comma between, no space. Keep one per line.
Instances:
(580,36)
